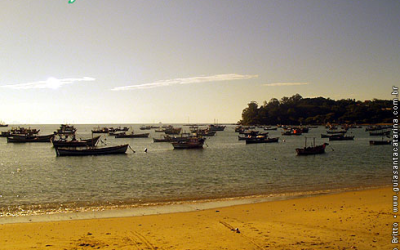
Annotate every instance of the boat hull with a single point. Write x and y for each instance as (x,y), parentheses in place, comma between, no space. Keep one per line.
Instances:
(388,142)
(25,139)
(188,144)
(92,151)
(145,135)
(341,138)
(82,143)
(261,140)
(312,150)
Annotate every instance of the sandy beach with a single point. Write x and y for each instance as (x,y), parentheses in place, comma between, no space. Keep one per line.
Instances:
(349,220)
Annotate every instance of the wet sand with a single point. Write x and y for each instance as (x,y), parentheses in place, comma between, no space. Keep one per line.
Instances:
(348,220)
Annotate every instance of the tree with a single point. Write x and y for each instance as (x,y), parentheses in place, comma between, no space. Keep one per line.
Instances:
(250,114)
(297,110)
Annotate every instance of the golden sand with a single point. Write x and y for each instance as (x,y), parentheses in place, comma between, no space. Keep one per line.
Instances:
(351,220)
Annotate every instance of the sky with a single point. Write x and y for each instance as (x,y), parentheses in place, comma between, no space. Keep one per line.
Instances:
(189,61)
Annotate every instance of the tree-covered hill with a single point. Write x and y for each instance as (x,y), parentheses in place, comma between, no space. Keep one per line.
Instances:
(298,110)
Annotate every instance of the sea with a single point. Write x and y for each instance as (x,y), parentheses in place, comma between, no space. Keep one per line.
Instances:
(36,181)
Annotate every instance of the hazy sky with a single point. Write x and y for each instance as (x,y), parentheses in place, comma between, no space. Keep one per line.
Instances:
(145,61)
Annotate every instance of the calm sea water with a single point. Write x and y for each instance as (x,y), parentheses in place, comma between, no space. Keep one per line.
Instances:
(32,175)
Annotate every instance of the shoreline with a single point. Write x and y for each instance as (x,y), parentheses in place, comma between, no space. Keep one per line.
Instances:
(64,213)
(357,219)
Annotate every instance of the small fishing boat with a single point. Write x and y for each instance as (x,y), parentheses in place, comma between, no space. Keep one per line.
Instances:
(29,138)
(24,131)
(98,130)
(206,132)
(330,135)
(159,130)
(336,131)
(119,129)
(145,127)
(292,132)
(341,138)
(215,127)
(261,139)
(302,129)
(5,133)
(251,134)
(66,129)
(120,149)
(377,127)
(270,128)
(63,142)
(202,131)
(188,143)
(382,142)
(311,150)
(170,130)
(132,135)
(379,132)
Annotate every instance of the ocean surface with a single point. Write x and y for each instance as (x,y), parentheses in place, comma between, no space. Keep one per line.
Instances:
(34,180)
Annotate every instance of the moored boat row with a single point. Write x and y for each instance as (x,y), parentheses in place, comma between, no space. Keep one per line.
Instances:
(69,143)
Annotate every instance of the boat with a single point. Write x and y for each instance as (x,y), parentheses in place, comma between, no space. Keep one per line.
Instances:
(331,126)
(292,132)
(206,132)
(114,131)
(242,138)
(330,135)
(341,138)
(190,142)
(165,138)
(302,129)
(159,130)
(172,131)
(261,139)
(381,142)
(98,130)
(65,129)
(270,128)
(379,132)
(29,138)
(240,128)
(251,134)
(214,127)
(202,131)
(132,135)
(5,134)
(311,150)
(120,149)
(377,127)
(145,127)
(336,131)
(63,142)
(24,131)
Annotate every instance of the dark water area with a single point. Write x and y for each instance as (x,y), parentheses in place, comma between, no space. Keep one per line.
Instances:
(34,178)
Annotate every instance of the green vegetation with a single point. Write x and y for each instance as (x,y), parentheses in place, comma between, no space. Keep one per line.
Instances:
(297,110)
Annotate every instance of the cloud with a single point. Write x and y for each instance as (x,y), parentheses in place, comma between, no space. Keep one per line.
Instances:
(278,84)
(50,83)
(188,80)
